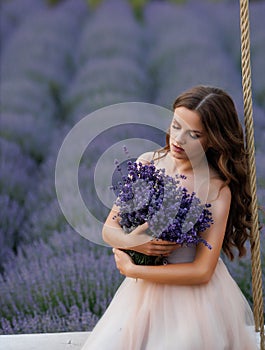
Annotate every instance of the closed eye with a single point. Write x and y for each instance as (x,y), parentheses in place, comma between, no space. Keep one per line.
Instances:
(194,135)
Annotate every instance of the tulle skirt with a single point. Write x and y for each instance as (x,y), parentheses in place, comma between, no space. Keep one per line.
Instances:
(151,316)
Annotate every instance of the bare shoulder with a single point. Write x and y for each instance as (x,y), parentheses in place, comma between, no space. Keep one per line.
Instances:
(218,190)
(146,157)
(220,197)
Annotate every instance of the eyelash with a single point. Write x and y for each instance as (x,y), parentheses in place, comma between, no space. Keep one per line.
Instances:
(192,135)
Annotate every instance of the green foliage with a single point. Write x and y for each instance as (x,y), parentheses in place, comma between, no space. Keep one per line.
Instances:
(138,6)
(54,2)
(178,1)
(94,3)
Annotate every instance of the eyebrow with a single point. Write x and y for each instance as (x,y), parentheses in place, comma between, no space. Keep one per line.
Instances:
(196,131)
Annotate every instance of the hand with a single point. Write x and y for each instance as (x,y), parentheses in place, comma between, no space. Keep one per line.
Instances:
(123,262)
(156,247)
(149,246)
(139,230)
(142,242)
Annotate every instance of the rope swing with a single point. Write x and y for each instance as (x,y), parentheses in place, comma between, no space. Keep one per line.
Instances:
(250,148)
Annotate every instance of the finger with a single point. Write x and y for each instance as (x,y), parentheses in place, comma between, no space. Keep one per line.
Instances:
(116,254)
(145,225)
(164,243)
(157,250)
(116,251)
(160,252)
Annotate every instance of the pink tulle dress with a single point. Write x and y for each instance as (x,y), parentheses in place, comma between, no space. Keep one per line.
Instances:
(151,316)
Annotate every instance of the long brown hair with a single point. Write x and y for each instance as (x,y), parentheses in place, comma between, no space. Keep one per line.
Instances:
(226,155)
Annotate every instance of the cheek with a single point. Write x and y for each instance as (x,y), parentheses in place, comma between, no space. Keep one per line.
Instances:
(195,148)
(171,138)
(175,134)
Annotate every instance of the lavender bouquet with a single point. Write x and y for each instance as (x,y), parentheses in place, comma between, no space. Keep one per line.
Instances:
(147,194)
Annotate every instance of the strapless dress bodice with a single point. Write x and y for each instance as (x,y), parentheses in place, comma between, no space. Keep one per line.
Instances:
(182,255)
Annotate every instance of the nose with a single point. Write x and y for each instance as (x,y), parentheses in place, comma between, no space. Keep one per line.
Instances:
(179,138)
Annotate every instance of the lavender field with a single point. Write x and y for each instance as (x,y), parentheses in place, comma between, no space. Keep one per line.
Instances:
(62,62)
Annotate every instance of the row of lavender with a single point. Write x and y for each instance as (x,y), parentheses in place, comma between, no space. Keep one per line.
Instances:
(35,69)
(43,305)
(58,281)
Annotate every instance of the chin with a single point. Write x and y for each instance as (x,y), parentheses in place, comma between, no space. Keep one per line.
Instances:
(176,155)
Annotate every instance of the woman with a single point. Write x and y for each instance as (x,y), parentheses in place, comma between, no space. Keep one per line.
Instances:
(192,303)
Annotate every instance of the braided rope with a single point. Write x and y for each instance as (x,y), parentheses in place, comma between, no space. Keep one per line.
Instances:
(250,147)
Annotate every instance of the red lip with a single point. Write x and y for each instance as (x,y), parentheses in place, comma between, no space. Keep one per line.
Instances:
(177,148)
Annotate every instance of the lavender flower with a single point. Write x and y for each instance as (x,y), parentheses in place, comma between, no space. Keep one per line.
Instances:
(113,60)
(16,170)
(11,217)
(15,12)
(171,57)
(113,70)
(33,135)
(173,214)
(65,287)
(257,11)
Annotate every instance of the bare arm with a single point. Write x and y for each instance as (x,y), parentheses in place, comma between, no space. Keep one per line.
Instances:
(114,235)
(201,269)
(137,240)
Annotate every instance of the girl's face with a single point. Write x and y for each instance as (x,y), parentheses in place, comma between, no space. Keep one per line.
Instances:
(188,139)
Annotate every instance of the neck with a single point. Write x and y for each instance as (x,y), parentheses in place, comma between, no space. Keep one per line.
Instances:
(196,172)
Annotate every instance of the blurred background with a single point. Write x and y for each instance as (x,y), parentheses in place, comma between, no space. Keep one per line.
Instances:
(61,60)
